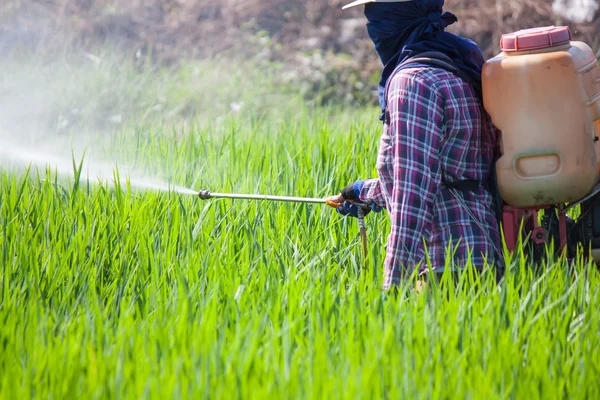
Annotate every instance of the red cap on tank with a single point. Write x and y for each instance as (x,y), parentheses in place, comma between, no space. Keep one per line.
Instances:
(536,38)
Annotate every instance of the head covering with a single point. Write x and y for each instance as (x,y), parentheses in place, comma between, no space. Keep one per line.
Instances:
(359,2)
(401,30)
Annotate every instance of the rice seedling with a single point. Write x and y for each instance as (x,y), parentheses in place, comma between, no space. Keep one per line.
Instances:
(108,291)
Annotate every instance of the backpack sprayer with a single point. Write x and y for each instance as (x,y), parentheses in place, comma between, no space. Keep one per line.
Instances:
(543,93)
(207,195)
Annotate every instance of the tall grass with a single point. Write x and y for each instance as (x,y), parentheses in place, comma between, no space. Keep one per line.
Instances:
(108,291)
(117,293)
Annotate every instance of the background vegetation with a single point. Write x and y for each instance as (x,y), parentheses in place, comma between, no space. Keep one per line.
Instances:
(310,43)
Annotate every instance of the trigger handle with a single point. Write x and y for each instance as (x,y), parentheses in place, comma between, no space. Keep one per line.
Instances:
(332,204)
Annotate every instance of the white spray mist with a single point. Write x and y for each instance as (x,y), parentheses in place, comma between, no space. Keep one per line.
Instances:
(36,103)
(93,171)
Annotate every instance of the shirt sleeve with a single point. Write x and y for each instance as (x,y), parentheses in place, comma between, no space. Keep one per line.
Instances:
(409,159)
(372,190)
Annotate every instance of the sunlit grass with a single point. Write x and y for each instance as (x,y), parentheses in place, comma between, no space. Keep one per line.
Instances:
(111,291)
(115,292)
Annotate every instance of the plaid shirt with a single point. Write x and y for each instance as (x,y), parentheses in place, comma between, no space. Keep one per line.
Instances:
(438,128)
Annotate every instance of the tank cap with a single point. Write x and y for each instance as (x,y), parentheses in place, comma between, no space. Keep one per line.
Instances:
(536,38)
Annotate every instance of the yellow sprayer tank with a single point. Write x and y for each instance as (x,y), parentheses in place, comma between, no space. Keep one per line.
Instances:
(543,93)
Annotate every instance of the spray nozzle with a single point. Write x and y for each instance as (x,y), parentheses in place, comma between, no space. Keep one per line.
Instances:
(204,194)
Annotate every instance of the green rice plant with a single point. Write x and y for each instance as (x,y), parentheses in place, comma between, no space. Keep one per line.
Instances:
(111,291)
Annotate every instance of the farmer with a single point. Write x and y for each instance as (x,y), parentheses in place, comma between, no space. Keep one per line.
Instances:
(438,144)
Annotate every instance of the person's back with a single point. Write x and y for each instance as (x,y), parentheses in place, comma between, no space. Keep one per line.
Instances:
(438,133)
(437,149)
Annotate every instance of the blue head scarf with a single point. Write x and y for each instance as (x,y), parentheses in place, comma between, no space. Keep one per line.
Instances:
(403,30)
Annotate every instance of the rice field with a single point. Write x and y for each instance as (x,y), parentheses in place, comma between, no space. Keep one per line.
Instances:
(113,291)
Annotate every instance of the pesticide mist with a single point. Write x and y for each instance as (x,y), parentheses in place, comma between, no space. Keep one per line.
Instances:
(90,171)
(57,118)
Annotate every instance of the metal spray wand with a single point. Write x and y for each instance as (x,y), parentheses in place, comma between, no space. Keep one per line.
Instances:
(207,195)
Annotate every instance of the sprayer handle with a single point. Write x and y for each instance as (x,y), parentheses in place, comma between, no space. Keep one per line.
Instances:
(332,204)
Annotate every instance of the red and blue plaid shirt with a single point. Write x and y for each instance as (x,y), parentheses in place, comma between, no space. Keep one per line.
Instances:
(437,129)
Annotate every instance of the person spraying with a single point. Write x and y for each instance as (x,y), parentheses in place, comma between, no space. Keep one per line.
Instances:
(438,147)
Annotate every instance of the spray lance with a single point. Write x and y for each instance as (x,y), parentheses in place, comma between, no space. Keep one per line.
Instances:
(362,206)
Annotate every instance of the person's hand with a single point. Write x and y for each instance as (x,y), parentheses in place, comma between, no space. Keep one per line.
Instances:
(350,209)
(349,201)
